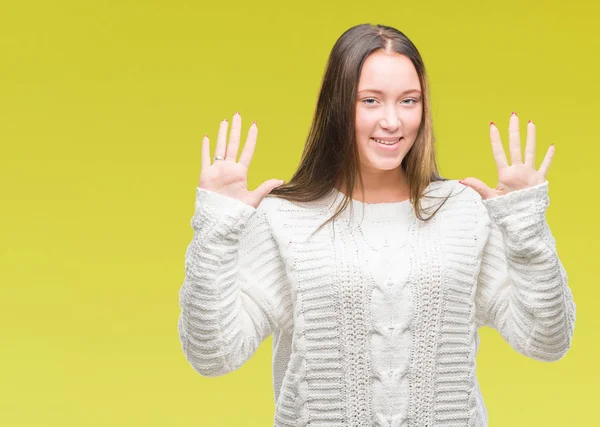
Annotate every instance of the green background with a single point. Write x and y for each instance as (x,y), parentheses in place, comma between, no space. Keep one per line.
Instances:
(103,107)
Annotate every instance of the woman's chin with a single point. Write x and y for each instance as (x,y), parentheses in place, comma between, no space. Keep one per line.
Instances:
(386,164)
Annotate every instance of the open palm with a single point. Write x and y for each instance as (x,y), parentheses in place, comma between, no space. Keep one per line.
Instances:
(519,174)
(228,176)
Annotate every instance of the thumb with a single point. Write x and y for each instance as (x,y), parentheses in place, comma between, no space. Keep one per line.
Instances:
(266,187)
(480,187)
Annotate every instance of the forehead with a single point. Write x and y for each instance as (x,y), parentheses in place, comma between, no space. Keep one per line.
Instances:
(388,71)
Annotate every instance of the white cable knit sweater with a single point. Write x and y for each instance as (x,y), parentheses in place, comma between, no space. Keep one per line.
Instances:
(374,323)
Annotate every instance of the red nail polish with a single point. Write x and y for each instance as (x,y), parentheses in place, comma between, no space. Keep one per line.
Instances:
(491,123)
(529,121)
(515,113)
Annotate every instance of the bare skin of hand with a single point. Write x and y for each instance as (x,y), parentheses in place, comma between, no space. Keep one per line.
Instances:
(519,174)
(229,176)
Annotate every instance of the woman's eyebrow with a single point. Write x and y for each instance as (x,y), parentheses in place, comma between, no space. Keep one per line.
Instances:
(381,92)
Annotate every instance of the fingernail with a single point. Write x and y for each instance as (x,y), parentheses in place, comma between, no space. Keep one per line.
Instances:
(254,123)
(461,182)
(492,123)
(515,113)
(529,121)
(237,113)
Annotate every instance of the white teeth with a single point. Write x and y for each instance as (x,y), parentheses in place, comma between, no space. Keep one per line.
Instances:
(386,142)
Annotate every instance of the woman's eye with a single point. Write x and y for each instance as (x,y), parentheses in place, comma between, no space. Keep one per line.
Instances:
(367,101)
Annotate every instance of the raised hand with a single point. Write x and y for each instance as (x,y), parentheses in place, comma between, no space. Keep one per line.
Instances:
(228,176)
(518,175)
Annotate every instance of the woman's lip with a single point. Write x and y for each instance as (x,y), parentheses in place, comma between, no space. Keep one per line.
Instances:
(390,147)
(387,140)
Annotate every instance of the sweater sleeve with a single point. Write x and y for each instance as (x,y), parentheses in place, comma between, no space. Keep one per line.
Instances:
(522,288)
(235,292)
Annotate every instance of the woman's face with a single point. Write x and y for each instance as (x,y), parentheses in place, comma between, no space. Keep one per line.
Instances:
(389,106)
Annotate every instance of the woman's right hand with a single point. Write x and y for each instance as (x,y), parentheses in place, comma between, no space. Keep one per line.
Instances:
(228,176)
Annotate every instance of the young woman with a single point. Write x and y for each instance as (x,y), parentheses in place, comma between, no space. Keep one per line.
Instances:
(374,316)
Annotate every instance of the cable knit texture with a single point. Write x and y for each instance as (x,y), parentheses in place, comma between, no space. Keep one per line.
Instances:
(374,318)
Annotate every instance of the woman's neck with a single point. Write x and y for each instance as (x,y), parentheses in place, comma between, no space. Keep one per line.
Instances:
(381,187)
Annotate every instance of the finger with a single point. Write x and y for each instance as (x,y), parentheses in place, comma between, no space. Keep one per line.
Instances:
(222,139)
(484,191)
(249,146)
(266,187)
(205,153)
(514,140)
(547,161)
(234,137)
(497,149)
(530,145)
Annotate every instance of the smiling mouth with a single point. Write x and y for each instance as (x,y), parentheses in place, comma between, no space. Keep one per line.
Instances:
(380,141)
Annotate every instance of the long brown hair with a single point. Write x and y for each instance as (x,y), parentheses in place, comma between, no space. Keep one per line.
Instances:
(330,157)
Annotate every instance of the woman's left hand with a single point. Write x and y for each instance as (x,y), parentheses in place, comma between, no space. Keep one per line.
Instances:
(518,175)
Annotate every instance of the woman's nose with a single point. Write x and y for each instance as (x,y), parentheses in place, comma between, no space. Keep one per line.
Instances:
(391,120)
